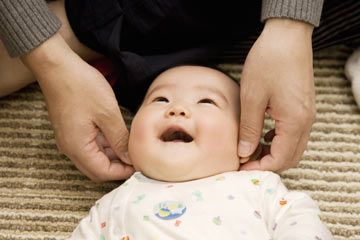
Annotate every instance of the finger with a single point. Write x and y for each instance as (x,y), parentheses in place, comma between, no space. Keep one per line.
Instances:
(251,123)
(253,156)
(93,162)
(269,136)
(295,135)
(302,145)
(101,140)
(105,147)
(115,131)
(281,154)
(118,171)
(110,154)
(254,160)
(98,167)
(262,151)
(244,160)
(253,165)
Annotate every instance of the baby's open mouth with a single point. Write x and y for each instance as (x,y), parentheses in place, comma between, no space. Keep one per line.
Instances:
(176,135)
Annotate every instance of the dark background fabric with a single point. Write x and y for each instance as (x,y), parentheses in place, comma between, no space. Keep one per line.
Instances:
(145,37)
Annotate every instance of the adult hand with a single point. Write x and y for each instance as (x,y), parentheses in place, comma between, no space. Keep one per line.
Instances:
(81,104)
(277,79)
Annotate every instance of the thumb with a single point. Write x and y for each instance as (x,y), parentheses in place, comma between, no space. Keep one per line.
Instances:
(114,129)
(251,125)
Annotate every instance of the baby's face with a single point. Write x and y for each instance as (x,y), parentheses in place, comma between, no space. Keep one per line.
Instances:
(187,126)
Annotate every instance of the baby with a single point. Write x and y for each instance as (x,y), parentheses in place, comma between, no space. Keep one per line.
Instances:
(183,144)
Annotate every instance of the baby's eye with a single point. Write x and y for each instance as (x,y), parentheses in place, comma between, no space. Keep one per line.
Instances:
(208,100)
(160,99)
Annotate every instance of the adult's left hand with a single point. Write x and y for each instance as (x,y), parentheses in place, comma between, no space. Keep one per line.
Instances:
(277,78)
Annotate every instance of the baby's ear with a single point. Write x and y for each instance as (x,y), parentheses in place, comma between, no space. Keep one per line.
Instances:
(352,72)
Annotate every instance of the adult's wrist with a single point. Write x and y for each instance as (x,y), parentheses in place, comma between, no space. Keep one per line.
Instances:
(284,26)
(51,54)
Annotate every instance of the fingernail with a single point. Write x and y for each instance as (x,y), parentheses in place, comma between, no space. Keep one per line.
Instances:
(245,148)
(244,160)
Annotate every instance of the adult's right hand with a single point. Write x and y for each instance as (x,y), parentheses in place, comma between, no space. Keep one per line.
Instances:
(278,79)
(81,104)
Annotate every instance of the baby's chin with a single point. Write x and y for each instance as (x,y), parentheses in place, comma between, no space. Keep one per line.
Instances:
(172,176)
(167,174)
(180,174)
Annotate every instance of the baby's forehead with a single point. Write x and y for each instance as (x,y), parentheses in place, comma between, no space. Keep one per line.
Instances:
(195,77)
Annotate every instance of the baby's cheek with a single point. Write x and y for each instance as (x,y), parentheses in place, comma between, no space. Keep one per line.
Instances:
(216,139)
(139,129)
(135,139)
(222,137)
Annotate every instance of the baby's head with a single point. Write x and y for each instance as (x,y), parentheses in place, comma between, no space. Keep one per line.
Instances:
(187,125)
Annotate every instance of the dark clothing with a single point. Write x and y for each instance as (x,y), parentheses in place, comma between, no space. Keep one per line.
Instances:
(145,37)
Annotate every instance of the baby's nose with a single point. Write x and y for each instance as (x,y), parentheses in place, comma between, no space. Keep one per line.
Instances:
(178,111)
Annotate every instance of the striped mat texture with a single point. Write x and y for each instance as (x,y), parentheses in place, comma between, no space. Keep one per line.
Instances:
(43,196)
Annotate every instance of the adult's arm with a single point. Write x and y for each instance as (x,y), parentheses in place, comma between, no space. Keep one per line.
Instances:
(80,101)
(277,79)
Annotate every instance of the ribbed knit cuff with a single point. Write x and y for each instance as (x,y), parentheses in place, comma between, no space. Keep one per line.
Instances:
(304,10)
(25,24)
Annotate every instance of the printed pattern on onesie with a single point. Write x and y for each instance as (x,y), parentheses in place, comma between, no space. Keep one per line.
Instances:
(233,205)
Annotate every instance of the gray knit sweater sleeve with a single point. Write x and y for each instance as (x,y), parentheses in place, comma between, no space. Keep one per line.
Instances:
(304,10)
(25,24)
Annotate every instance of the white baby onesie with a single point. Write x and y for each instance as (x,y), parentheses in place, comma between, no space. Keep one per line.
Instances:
(234,205)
